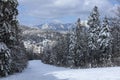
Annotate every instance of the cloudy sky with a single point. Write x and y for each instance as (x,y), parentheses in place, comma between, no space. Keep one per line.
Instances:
(34,12)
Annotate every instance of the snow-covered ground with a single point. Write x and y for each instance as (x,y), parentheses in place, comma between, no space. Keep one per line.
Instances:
(38,71)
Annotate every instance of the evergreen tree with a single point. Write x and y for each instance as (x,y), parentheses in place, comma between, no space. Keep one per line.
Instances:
(72,48)
(5,60)
(105,44)
(115,31)
(46,52)
(94,29)
(10,37)
(64,49)
(79,55)
(77,47)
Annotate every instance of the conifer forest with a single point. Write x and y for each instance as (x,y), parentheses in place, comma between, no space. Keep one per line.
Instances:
(87,40)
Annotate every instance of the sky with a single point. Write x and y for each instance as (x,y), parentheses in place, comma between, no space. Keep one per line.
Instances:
(35,12)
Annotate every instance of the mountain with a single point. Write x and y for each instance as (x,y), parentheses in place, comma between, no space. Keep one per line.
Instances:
(55,26)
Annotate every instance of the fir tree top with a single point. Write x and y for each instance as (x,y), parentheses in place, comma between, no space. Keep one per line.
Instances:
(94,18)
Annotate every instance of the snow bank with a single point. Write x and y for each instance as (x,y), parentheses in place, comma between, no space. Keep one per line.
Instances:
(39,71)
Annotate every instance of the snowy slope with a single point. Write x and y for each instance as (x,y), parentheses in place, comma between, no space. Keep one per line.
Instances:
(39,71)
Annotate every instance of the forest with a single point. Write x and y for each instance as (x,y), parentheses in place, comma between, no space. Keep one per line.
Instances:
(96,44)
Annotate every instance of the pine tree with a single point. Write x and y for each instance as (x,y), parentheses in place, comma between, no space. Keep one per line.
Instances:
(5,60)
(64,49)
(79,54)
(61,51)
(46,52)
(10,37)
(77,47)
(105,44)
(72,48)
(115,31)
(116,44)
(94,29)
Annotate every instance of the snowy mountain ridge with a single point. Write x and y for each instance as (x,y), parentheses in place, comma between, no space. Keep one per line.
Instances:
(55,26)
(58,26)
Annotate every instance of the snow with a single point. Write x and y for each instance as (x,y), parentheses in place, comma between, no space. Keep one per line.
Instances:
(36,70)
(3,46)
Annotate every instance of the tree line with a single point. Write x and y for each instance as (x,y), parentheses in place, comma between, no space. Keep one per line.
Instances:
(84,47)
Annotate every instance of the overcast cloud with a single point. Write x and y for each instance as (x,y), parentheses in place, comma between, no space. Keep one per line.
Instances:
(44,10)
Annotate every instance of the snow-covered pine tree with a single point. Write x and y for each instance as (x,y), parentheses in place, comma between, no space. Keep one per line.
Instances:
(94,29)
(79,54)
(60,51)
(77,46)
(115,24)
(72,48)
(46,52)
(116,44)
(9,35)
(66,48)
(60,56)
(4,38)
(53,56)
(63,49)
(5,60)
(105,44)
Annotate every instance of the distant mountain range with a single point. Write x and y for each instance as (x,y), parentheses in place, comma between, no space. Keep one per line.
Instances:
(55,26)
(59,26)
